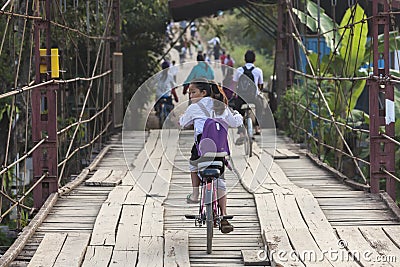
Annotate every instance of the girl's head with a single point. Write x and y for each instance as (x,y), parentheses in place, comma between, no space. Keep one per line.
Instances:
(198,89)
(202,88)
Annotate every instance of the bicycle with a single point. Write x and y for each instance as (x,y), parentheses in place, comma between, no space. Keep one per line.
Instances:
(248,122)
(209,211)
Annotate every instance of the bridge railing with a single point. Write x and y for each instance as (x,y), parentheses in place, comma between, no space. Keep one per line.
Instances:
(83,97)
(327,106)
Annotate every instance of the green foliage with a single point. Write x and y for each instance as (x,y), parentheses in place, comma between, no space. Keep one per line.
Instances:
(354,51)
(143,32)
(238,35)
(5,241)
(354,39)
(326,22)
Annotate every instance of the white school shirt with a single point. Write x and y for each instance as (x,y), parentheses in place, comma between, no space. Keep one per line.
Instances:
(164,87)
(173,70)
(257,73)
(196,116)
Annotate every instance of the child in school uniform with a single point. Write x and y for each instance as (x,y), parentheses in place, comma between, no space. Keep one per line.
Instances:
(207,95)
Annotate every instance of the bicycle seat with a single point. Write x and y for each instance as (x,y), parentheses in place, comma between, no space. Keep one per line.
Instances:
(215,154)
(248,106)
(208,164)
(213,173)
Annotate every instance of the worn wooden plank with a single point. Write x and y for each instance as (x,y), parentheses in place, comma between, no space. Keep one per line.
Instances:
(277,241)
(393,232)
(106,224)
(123,258)
(146,180)
(289,212)
(131,177)
(151,251)
(310,210)
(267,211)
(289,154)
(153,219)
(73,251)
(355,242)
(48,250)
(98,177)
(328,242)
(129,228)
(136,196)
(279,176)
(275,153)
(303,244)
(176,249)
(118,195)
(254,258)
(115,178)
(99,256)
(380,241)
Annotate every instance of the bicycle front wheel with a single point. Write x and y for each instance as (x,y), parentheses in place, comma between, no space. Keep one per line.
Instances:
(210,226)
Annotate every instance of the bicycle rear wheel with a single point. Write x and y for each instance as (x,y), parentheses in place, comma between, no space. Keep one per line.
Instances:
(210,226)
(249,141)
(163,115)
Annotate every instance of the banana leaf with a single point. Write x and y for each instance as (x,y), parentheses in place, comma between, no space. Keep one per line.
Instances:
(326,23)
(354,39)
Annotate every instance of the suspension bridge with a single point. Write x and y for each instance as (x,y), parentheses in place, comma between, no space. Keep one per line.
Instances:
(105,194)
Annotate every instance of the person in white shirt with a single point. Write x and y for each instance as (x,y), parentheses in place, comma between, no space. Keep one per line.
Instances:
(165,89)
(257,74)
(173,70)
(214,41)
(212,98)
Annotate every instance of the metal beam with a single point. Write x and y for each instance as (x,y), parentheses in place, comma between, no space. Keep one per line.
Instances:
(44,116)
(382,150)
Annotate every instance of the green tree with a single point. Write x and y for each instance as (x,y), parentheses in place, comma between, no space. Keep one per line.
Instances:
(143,40)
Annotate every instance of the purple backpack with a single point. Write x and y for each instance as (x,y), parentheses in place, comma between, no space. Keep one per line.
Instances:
(214,138)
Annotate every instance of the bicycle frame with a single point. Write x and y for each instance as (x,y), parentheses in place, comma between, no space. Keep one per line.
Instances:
(209,210)
(209,195)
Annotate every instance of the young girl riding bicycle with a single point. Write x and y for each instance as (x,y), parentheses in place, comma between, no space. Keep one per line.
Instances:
(207,97)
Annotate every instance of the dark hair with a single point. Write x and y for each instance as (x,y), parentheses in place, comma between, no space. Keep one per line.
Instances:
(200,57)
(220,99)
(203,85)
(250,57)
(214,91)
(165,65)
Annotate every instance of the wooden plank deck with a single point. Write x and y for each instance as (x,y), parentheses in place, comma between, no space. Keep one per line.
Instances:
(75,213)
(289,204)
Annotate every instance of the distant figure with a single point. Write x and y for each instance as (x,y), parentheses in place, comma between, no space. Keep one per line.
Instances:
(201,70)
(199,48)
(173,70)
(214,41)
(222,61)
(165,89)
(193,30)
(182,54)
(217,51)
(206,58)
(248,92)
(229,61)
